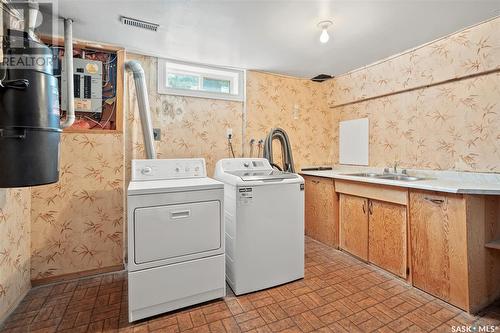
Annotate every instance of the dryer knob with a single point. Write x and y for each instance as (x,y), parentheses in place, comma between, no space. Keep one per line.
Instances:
(146,170)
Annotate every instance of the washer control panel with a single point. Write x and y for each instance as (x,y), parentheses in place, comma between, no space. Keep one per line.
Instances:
(254,164)
(159,169)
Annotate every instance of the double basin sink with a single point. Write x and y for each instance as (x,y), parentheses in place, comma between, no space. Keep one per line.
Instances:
(388,176)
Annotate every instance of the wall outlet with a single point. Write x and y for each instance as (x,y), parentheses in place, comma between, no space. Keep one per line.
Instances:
(296,112)
(157,134)
(229,133)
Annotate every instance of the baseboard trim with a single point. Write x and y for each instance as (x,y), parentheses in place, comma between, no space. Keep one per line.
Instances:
(76,275)
(13,306)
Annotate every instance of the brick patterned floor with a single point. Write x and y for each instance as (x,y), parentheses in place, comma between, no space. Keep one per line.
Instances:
(338,294)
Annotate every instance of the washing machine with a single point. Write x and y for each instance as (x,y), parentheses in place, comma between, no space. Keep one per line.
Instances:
(264,222)
(175,235)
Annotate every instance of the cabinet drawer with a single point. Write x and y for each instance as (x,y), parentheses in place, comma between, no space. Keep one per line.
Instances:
(394,194)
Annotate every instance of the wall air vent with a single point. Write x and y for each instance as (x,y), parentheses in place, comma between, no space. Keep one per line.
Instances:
(139,24)
(321,78)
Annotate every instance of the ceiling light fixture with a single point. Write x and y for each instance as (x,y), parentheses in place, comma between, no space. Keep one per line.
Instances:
(324,37)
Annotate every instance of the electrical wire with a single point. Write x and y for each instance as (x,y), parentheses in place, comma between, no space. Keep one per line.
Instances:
(230,145)
(252,142)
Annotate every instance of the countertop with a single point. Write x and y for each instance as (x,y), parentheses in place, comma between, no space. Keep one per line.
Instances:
(441,181)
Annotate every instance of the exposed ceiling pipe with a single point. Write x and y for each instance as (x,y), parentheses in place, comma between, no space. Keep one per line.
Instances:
(68,61)
(143,103)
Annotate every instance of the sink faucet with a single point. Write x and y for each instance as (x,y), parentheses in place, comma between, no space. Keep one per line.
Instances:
(395,169)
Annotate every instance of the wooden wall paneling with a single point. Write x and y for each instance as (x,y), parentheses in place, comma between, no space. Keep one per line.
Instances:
(387,236)
(438,245)
(394,194)
(353,212)
(120,88)
(483,225)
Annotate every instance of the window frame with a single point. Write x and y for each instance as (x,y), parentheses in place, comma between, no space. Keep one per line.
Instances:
(236,78)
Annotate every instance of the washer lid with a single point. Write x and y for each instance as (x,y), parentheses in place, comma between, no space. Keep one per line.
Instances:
(248,176)
(173,185)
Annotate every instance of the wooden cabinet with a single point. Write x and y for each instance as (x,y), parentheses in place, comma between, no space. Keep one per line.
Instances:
(354,225)
(447,242)
(373,224)
(387,236)
(438,245)
(321,210)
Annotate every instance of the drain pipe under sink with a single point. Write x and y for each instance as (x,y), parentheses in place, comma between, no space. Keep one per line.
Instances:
(143,102)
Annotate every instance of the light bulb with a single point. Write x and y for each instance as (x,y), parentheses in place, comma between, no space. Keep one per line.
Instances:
(324,37)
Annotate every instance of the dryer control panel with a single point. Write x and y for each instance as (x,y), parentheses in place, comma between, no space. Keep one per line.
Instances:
(159,169)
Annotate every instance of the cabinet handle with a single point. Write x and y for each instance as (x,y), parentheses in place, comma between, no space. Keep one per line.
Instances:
(370,207)
(434,201)
(315,181)
(364,207)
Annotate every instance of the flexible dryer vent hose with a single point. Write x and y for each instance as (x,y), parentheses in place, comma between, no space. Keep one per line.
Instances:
(286,148)
(143,103)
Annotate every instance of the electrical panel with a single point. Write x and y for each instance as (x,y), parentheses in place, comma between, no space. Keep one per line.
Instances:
(87,76)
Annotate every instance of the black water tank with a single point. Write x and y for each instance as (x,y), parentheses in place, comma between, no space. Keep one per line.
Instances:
(29,113)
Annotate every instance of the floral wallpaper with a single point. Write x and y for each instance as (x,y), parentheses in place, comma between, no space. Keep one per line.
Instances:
(77,223)
(452,126)
(14,247)
(194,127)
(296,105)
(190,127)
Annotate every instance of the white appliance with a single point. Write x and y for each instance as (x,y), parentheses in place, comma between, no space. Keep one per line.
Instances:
(264,218)
(175,236)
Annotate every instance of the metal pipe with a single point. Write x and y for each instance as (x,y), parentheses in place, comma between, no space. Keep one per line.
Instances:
(68,61)
(143,103)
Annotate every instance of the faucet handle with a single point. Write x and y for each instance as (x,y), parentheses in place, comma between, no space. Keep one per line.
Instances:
(386,170)
(404,172)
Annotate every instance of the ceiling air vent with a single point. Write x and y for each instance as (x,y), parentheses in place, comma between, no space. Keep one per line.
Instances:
(139,24)
(321,78)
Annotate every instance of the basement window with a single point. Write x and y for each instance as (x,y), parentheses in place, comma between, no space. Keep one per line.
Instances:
(194,80)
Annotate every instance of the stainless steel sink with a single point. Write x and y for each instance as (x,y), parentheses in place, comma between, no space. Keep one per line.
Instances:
(405,178)
(363,174)
(388,176)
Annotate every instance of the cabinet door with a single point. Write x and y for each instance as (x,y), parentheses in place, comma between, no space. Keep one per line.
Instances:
(387,236)
(438,245)
(354,225)
(321,213)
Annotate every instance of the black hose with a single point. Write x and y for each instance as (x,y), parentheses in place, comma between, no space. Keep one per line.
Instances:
(286,148)
(19,84)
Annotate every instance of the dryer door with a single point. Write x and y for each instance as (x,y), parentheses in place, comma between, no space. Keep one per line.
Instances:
(171,231)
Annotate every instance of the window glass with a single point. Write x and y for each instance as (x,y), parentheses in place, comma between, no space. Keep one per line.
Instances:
(196,80)
(183,81)
(217,85)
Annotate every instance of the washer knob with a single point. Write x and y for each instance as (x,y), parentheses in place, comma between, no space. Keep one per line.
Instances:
(246,164)
(146,170)
(177,169)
